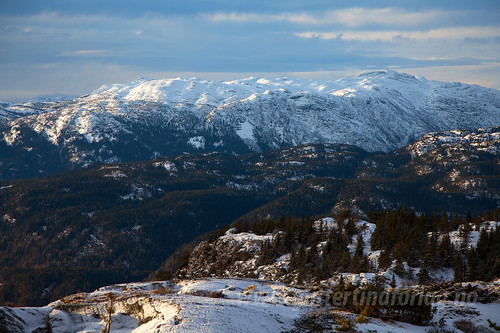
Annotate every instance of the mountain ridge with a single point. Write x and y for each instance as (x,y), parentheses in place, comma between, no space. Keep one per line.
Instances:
(377,111)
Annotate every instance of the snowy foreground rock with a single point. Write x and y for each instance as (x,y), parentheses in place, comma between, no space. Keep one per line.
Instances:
(214,305)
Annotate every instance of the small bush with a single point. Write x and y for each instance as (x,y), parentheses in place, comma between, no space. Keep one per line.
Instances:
(465,326)
(162,291)
(344,324)
(316,321)
(249,289)
(216,294)
(361,319)
(205,293)
(493,325)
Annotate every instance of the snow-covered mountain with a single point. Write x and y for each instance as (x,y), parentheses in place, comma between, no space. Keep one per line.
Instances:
(377,111)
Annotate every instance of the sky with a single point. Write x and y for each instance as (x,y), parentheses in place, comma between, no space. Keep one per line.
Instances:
(74,46)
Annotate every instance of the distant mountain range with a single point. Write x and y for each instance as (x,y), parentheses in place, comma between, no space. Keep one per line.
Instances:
(376,111)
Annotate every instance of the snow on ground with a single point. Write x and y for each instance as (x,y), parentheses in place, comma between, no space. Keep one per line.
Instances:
(456,240)
(238,305)
(167,165)
(197,142)
(208,305)
(245,131)
(245,237)
(213,305)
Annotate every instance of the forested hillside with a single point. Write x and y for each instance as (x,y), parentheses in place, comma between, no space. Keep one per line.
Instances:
(118,222)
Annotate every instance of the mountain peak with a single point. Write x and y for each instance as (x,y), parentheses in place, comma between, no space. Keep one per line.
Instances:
(377,111)
(387,74)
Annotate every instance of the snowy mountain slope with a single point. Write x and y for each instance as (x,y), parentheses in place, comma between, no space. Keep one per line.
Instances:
(450,163)
(239,252)
(213,305)
(10,111)
(481,140)
(377,111)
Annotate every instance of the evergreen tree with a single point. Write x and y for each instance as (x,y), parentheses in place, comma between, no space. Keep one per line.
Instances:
(360,246)
(423,276)
(345,261)
(400,269)
(459,270)
(472,272)
(312,257)
(301,263)
(444,226)
(380,281)
(431,252)
(384,260)
(464,233)
(393,283)
(445,252)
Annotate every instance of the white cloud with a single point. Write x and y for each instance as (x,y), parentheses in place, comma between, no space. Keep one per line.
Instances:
(89,53)
(355,17)
(455,33)
(350,17)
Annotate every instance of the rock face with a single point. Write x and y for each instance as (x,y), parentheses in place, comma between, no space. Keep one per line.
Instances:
(232,255)
(209,305)
(377,111)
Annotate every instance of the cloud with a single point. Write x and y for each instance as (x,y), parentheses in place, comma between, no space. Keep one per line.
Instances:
(349,17)
(455,33)
(89,53)
(72,51)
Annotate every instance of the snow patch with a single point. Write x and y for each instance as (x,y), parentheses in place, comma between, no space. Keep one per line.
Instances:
(167,165)
(246,131)
(197,142)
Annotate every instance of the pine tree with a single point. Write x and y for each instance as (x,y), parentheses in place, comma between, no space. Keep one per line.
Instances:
(350,229)
(457,222)
(380,281)
(459,270)
(410,274)
(484,252)
(293,258)
(431,252)
(464,233)
(345,261)
(360,246)
(423,276)
(444,223)
(301,263)
(472,272)
(445,251)
(393,283)
(400,269)
(384,260)
(265,254)
(312,257)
